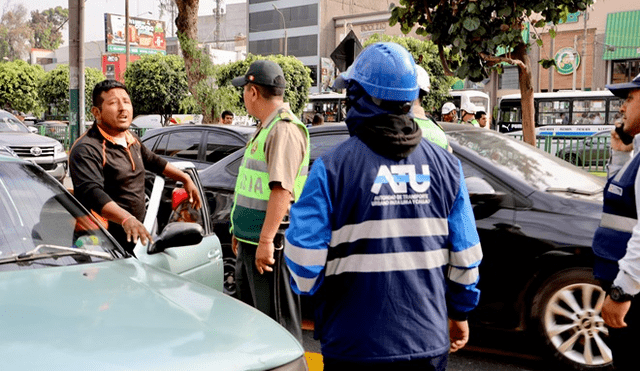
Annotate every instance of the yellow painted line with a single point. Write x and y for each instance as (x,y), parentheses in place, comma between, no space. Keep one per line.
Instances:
(314,361)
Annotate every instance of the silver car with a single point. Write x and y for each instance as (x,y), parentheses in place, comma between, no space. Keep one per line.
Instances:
(44,151)
(73,299)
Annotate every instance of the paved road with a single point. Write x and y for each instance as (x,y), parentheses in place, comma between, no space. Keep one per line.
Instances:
(488,350)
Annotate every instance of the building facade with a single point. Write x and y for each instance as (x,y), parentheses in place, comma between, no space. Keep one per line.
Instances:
(301,28)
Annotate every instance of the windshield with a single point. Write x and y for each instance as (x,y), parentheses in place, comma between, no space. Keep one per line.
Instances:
(9,123)
(529,164)
(41,224)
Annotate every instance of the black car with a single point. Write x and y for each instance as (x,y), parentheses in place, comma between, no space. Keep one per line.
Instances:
(536,215)
(203,145)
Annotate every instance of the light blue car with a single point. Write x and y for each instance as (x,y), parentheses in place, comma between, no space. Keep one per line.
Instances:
(72,299)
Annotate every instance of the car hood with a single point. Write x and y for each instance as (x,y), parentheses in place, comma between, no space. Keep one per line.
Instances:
(128,315)
(25,139)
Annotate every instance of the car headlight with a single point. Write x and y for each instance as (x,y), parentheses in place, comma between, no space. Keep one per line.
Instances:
(58,149)
(299,364)
(5,150)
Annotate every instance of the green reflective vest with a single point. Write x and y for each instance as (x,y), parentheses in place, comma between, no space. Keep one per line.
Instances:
(432,132)
(475,123)
(252,186)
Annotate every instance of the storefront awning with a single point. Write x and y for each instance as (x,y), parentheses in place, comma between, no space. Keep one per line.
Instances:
(622,37)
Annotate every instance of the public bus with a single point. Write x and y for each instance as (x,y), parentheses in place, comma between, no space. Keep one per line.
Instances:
(563,113)
(330,105)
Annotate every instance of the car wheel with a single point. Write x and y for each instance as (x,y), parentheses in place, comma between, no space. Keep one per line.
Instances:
(573,158)
(566,313)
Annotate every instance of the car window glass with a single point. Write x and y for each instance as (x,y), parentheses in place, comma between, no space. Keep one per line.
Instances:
(9,123)
(234,167)
(151,142)
(161,147)
(37,213)
(220,145)
(529,164)
(184,144)
(321,143)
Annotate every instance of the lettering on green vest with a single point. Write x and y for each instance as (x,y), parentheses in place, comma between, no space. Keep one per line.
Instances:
(251,184)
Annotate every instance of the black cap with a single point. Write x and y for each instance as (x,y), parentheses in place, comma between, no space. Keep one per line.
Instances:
(262,72)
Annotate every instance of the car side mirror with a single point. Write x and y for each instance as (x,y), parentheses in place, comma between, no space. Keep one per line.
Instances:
(484,199)
(175,235)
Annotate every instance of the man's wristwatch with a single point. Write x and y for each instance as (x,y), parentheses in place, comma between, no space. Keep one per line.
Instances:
(618,295)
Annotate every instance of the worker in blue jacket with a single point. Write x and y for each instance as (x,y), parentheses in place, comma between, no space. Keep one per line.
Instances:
(383,234)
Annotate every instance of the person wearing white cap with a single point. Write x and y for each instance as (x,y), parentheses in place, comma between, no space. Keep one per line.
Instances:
(430,129)
(467,112)
(449,112)
(616,243)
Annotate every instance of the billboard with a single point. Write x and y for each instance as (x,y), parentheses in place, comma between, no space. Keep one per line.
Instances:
(146,36)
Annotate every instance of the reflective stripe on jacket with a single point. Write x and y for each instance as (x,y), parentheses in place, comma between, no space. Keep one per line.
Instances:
(252,191)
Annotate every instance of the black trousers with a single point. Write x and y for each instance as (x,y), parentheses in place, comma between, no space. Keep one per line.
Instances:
(270,292)
(624,341)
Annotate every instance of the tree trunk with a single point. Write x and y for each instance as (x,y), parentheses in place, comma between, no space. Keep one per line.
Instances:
(526,94)
(187,24)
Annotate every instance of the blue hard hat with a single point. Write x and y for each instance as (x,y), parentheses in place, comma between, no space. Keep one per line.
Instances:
(385,71)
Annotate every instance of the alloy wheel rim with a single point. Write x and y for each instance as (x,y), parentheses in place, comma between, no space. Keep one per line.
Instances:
(573,324)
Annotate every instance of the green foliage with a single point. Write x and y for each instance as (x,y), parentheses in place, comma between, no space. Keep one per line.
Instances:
(54,89)
(482,26)
(425,53)
(19,86)
(157,84)
(204,99)
(297,76)
(46,26)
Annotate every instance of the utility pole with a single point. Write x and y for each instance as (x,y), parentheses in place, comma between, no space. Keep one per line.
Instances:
(126,30)
(284,26)
(217,34)
(76,68)
(575,59)
(585,16)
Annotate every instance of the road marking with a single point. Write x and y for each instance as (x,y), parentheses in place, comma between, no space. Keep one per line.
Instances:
(314,361)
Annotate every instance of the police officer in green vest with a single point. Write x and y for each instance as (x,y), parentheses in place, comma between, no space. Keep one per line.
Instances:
(272,175)
(430,130)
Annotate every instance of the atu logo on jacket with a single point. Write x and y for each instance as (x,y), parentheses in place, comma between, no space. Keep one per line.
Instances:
(397,177)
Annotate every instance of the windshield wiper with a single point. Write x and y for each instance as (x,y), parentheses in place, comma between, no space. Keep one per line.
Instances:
(573,191)
(46,251)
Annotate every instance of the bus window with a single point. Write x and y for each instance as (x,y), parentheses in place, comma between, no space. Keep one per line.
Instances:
(614,110)
(553,112)
(589,111)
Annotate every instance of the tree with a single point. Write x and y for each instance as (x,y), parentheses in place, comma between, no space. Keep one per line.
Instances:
(298,79)
(46,26)
(15,34)
(187,24)
(19,86)
(157,85)
(485,34)
(54,89)
(426,55)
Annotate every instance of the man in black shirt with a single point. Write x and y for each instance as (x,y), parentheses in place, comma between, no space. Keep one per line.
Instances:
(107,166)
